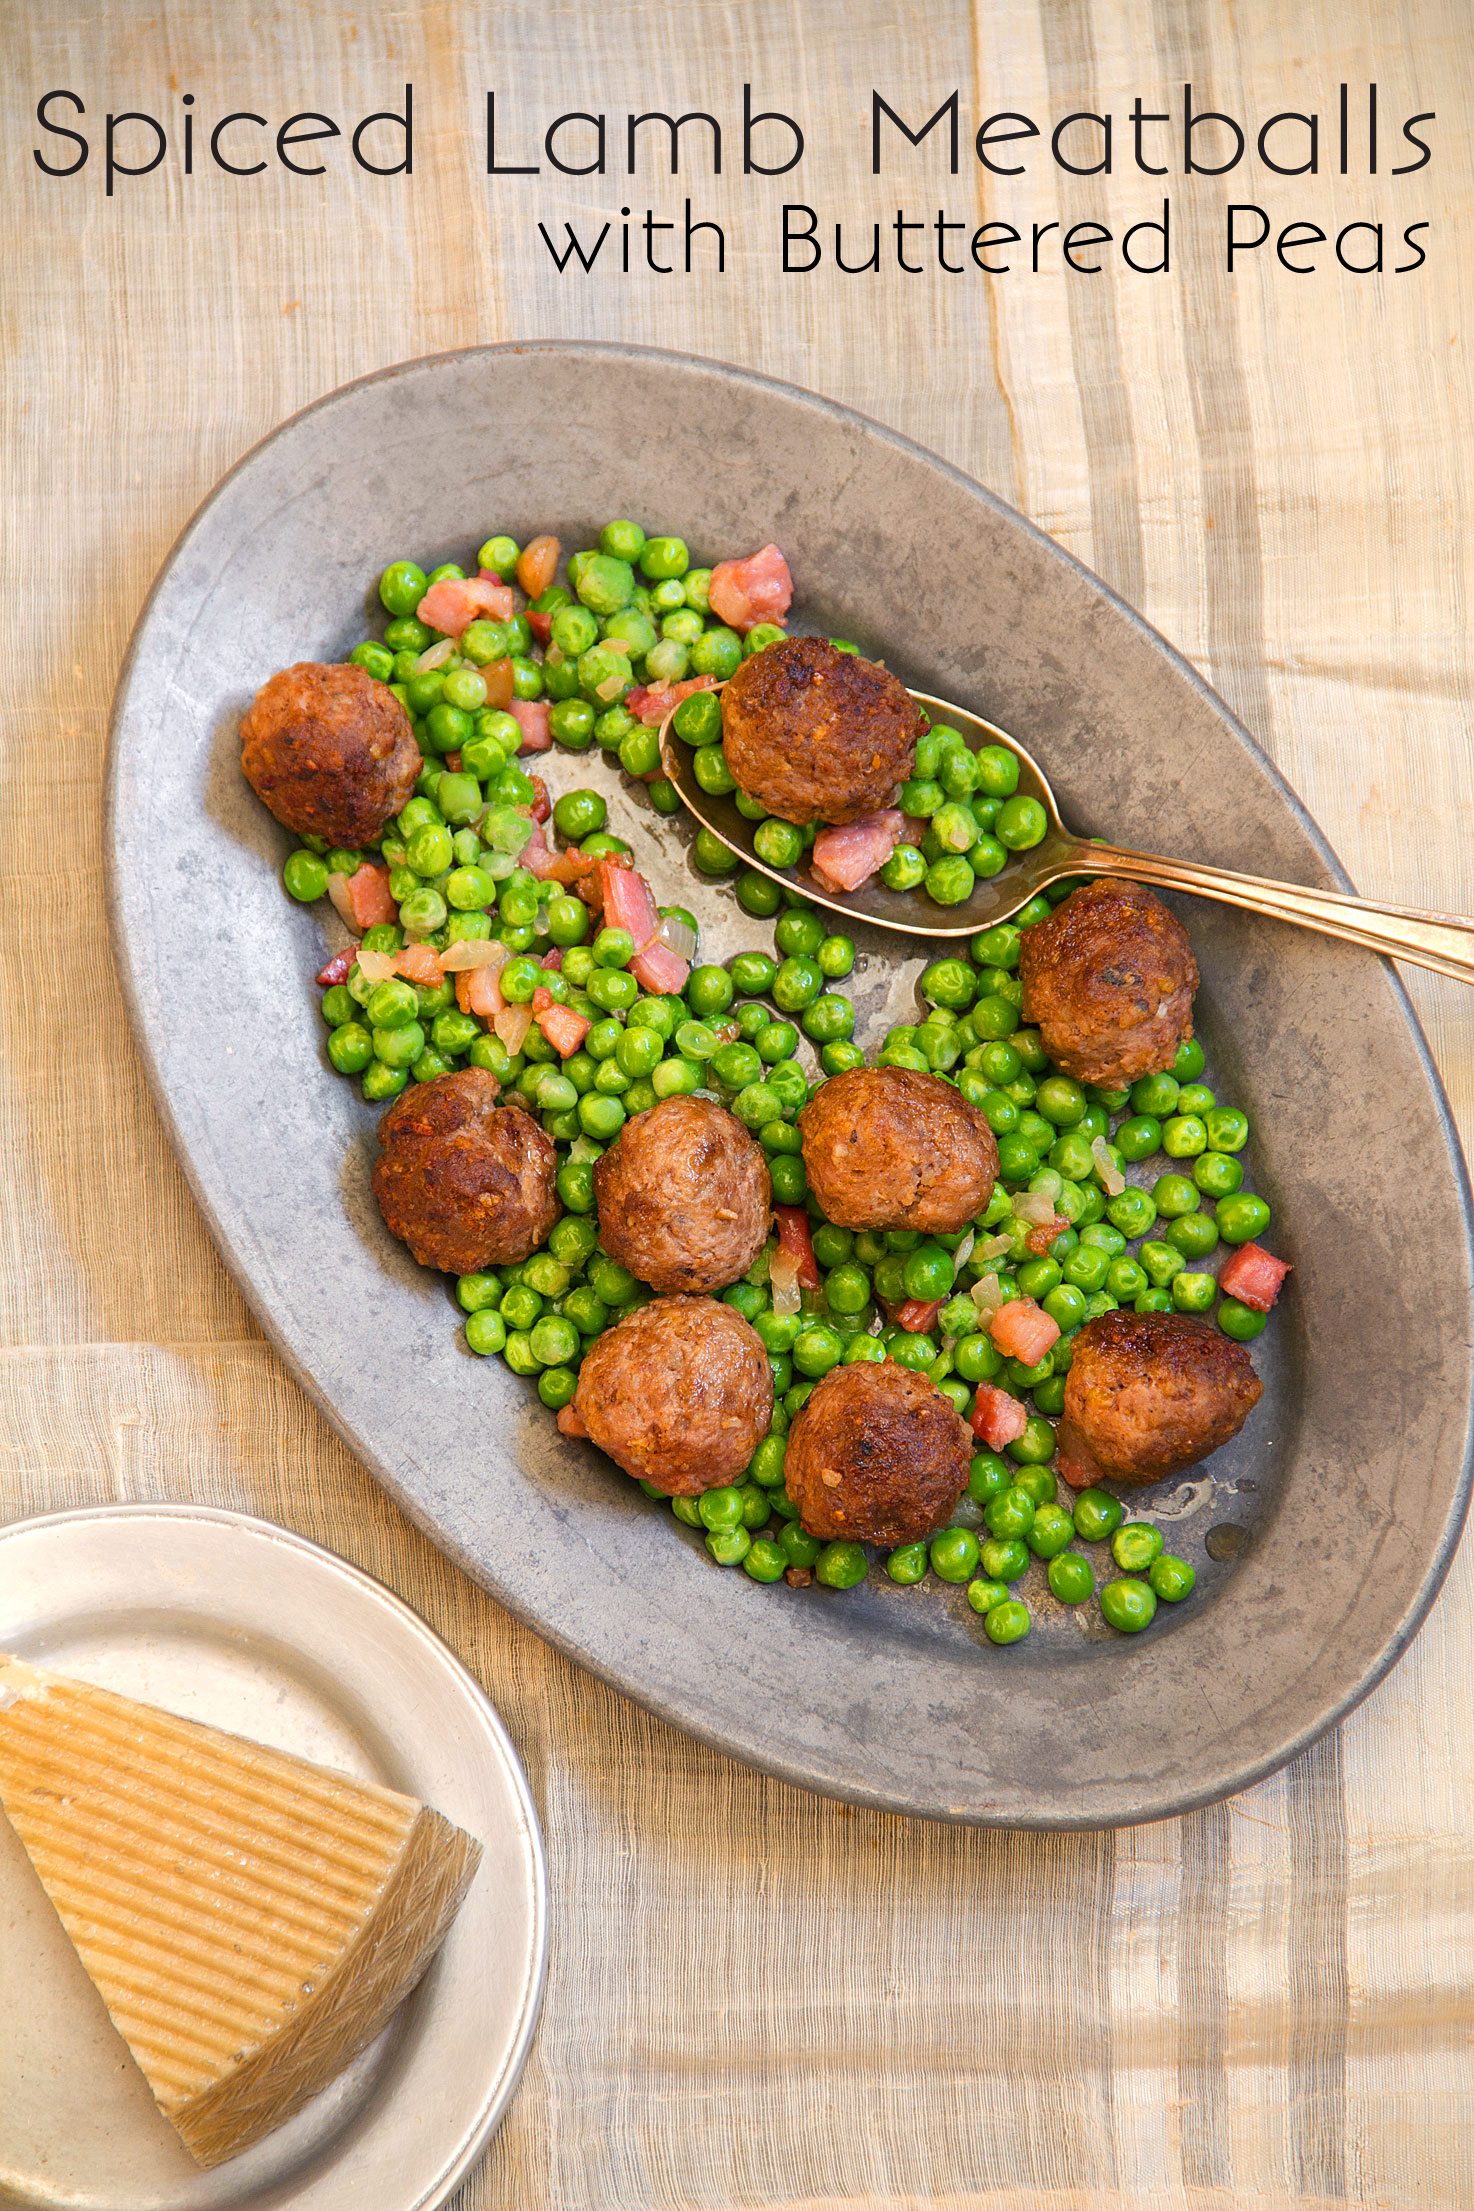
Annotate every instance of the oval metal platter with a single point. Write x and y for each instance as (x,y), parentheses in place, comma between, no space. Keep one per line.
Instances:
(1321,1535)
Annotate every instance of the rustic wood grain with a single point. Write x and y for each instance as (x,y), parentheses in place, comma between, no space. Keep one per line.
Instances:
(756,1997)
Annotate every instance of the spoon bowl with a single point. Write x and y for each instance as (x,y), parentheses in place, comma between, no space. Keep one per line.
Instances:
(1444,942)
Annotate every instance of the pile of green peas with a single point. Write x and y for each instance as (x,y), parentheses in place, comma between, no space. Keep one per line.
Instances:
(970,801)
(736,1033)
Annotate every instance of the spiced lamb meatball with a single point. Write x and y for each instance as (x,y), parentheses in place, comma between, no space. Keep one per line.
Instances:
(330,751)
(679,1393)
(816,734)
(1151,1393)
(684,1196)
(1108,980)
(878,1455)
(465,1182)
(890,1147)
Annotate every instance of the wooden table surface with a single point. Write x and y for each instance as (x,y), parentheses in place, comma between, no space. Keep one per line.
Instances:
(757,1997)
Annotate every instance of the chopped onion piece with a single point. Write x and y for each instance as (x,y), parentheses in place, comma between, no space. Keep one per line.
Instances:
(1034,1207)
(987,1296)
(1113,1182)
(992,1247)
(783,1280)
(375,967)
(473,952)
(512,1025)
(435,656)
(963,1252)
(677,936)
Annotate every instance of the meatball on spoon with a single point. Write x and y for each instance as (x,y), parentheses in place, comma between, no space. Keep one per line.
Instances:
(1441,941)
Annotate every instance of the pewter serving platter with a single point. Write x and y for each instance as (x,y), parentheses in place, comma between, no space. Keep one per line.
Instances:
(229,1621)
(1321,1535)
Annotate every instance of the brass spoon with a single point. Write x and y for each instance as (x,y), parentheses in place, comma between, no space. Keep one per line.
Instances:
(1441,941)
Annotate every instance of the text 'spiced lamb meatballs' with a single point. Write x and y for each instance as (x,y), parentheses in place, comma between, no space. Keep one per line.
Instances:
(1150,1393)
(330,751)
(818,735)
(684,1196)
(464,1182)
(878,1455)
(889,1147)
(1108,980)
(679,1393)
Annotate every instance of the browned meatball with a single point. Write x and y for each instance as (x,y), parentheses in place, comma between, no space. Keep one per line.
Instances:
(330,751)
(1109,980)
(889,1147)
(464,1182)
(818,735)
(679,1393)
(878,1455)
(684,1196)
(1151,1393)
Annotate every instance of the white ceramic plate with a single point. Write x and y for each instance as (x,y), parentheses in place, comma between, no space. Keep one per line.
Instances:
(227,1620)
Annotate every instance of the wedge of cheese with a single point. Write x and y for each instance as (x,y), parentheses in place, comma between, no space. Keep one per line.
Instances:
(250,1921)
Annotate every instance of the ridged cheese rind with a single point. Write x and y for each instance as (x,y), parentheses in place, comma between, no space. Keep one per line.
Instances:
(250,1920)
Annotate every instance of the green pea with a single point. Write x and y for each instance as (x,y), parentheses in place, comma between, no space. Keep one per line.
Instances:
(1097,1514)
(757,894)
(486,1332)
(402,586)
(1061,1101)
(1171,1578)
(729,1546)
(816,1349)
(1242,1218)
(799,1547)
(907,1564)
(777,843)
(840,1565)
(375,660)
(751,975)
(790,1182)
(950,881)
(1184,1136)
(660,557)
(350,1048)
(1134,1546)
(600,1116)
(1128,1605)
(1139,1137)
(305,876)
(1193,1234)
(381,1082)
(1228,1129)
(736,1065)
(1241,1321)
(1155,1096)
(698,719)
(1133,1212)
(954,1554)
(986,1596)
(639,1052)
(479,1292)
(677,1078)
(830,1019)
(766,1561)
(993,1018)
(1193,1293)
(998,771)
(1218,1174)
(1005,1558)
(904,870)
(1010,1513)
(711,855)
(1071,1577)
(756,1104)
(1006,1623)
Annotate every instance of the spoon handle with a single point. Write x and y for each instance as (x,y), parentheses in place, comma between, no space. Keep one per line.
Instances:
(1440,941)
